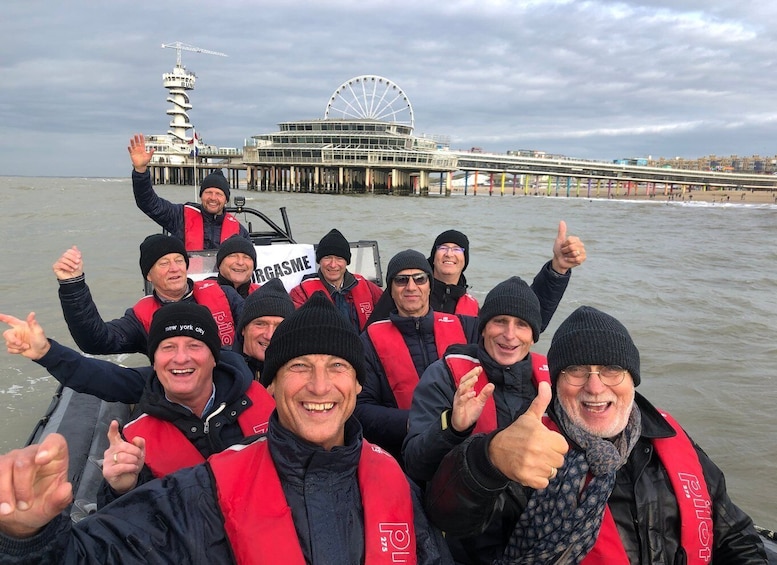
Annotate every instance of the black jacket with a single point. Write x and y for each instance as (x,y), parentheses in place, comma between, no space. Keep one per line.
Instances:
(384,423)
(122,335)
(478,507)
(214,432)
(177,519)
(170,215)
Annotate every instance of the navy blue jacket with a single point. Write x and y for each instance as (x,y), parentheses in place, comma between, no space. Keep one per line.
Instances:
(170,215)
(123,335)
(177,519)
(384,423)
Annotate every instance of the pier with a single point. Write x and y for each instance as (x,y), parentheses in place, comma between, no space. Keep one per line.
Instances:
(365,144)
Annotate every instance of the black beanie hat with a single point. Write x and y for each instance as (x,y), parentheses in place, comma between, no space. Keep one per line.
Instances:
(216,180)
(184,319)
(317,327)
(407,259)
(235,244)
(512,297)
(451,236)
(333,243)
(156,246)
(270,299)
(591,337)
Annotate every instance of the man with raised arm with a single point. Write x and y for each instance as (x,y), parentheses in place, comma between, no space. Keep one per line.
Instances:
(312,492)
(199,226)
(164,263)
(449,259)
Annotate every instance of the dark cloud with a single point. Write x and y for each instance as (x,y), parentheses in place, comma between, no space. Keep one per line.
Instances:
(592,79)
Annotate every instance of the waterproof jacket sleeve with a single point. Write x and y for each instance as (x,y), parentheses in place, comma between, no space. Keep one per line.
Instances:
(90,332)
(464,494)
(98,377)
(165,213)
(430,437)
(549,286)
(144,526)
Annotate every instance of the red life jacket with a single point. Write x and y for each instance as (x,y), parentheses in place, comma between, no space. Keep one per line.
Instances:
(194,231)
(258,520)
(467,306)
(360,294)
(168,449)
(208,293)
(686,476)
(460,364)
(395,356)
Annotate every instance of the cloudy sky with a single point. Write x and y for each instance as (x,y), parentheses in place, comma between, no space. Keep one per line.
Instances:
(590,79)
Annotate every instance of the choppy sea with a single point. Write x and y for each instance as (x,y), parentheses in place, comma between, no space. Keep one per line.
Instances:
(693,282)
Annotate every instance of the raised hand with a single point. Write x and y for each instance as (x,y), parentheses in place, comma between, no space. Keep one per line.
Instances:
(33,486)
(467,403)
(123,460)
(568,251)
(25,337)
(526,451)
(138,154)
(70,265)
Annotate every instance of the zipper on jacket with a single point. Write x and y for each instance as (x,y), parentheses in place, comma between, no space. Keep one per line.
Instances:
(216,412)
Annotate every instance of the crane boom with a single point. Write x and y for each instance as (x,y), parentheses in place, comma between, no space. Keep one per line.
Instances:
(179,46)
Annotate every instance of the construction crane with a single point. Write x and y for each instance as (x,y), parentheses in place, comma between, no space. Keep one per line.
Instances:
(178,46)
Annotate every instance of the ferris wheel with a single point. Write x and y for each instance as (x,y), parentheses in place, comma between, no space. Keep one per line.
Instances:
(372,97)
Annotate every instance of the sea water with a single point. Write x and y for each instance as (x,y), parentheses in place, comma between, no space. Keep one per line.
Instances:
(694,283)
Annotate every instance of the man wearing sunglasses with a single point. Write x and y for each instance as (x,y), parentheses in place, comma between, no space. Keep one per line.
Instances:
(403,337)
(449,259)
(606,478)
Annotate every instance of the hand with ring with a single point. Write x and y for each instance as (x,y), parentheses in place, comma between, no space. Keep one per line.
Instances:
(122,475)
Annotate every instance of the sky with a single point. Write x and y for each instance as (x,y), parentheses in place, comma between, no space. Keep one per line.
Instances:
(585,79)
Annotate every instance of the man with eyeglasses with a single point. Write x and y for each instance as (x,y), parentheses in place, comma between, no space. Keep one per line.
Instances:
(401,340)
(449,259)
(164,263)
(605,478)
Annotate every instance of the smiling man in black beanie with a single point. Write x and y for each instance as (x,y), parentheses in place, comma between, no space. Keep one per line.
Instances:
(235,262)
(311,491)
(624,457)
(450,257)
(263,311)
(202,225)
(353,295)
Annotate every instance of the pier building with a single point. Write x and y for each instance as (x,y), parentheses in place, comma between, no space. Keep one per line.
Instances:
(365,143)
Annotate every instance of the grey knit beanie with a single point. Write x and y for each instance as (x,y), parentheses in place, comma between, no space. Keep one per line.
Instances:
(407,259)
(156,246)
(333,243)
(184,319)
(316,327)
(235,244)
(512,297)
(591,337)
(270,299)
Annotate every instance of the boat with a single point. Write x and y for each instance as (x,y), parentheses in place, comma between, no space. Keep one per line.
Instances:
(84,419)
(278,255)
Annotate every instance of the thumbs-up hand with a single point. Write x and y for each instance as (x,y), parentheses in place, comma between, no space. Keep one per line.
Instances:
(568,251)
(526,451)
(467,402)
(123,460)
